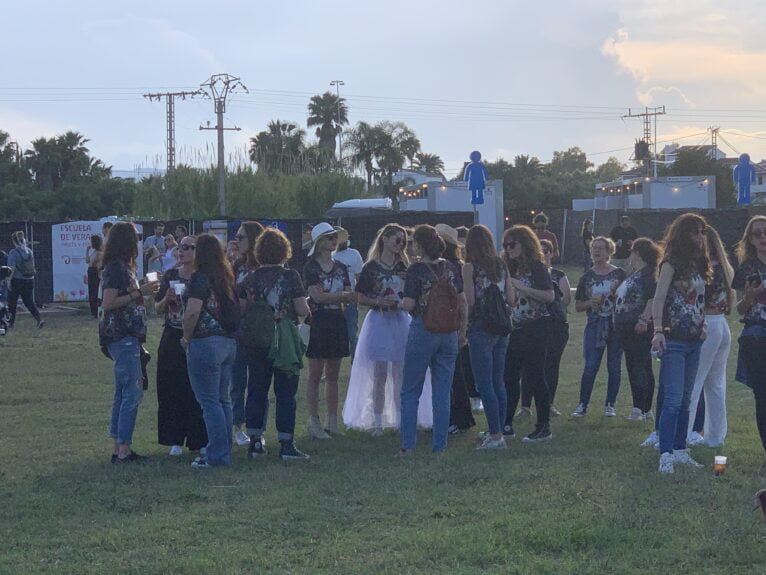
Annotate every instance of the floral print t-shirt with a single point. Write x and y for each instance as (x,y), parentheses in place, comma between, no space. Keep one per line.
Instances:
(174,311)
(715,292)
(527,309)
(683,316)
(421,276)
(377,280)
(592,284)
(127,321)
(209,322)
(334,281)
(756,315)
(632,296)
(277,286)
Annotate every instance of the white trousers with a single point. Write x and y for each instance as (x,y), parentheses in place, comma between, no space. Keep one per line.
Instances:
(711,378)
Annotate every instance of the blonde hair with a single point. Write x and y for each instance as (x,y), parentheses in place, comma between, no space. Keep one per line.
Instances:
(376,249)
(746,250)
(610,247)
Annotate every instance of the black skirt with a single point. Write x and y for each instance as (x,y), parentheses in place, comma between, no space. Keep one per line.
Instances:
(329,335)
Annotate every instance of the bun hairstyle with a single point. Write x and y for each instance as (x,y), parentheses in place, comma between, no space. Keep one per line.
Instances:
(18,238)
(429,241)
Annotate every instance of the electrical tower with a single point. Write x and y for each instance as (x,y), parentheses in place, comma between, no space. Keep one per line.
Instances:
(648,141)
(218,87)
(714,140)
(170,109)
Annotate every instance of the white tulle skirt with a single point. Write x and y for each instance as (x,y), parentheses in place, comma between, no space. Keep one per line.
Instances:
(381,346)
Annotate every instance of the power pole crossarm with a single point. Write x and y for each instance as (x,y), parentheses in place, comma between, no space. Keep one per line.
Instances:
(647,116)
(170,113)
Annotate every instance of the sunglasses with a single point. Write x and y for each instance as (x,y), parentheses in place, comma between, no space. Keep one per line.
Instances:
(187,247)
(758,233)
(510,244)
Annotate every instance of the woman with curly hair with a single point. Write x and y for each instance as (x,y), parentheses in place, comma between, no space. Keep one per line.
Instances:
(122,330)
(751,305)
(528,343)
(208,337)
(678,311)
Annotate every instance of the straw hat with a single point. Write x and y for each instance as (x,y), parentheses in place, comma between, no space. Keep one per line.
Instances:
(448,234)
(324,229)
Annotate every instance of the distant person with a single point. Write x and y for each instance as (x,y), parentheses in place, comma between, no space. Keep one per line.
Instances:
(354,262)
(170,254)
(105,229)
(93,255)
(540,222)
(586,233)
(157,240)
(122,330)
(22,261)
(153,260)
(180,233)
(622,236)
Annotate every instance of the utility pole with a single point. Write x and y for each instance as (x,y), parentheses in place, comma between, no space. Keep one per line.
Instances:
(15,145)
(714,140)
(338,84)
(218,87)
(647,115)
(170,112)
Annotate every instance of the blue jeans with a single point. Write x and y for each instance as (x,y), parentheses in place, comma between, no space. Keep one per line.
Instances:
(209,360)
(488,366)
(677,374)
(592,355)
(285,387)
(439,352)
(238,385)
(351,313)
(128,388)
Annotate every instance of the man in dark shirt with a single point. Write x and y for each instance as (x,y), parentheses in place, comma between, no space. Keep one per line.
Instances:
(622,236)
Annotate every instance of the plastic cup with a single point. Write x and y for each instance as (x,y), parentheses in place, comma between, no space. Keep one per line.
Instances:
(719,467)
(179,288)
(152,277)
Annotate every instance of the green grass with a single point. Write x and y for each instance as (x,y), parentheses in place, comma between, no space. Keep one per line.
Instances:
(590,501)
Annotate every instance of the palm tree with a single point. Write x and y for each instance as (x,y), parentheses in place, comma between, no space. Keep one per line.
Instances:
(279,148)
(329,113)
(429,163)
(364,144)
(527,167)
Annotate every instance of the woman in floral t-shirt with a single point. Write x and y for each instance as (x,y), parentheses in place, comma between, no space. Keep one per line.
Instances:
(678,311)
(595,295)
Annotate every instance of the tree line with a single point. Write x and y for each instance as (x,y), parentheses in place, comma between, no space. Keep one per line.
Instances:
(290,176)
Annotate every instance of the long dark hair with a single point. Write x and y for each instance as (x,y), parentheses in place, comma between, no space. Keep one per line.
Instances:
(210,259)
(480,251)
(121,245)
(429,241)
(649,252)
(531,250)
(252,231)
(681,251)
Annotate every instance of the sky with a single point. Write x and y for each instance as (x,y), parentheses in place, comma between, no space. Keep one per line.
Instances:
(504,77)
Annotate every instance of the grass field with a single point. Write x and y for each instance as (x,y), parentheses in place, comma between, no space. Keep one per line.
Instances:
(590,501)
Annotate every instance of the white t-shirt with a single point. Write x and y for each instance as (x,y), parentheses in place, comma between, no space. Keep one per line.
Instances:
(354,262)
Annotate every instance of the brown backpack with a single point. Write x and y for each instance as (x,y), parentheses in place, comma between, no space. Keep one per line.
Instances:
(443,312)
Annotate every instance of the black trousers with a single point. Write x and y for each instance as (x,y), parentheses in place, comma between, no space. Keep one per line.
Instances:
(25,289)
(754,355)
(460,401)
(557,343)
(179,416)
(526,354)
(638,360)
(93,282)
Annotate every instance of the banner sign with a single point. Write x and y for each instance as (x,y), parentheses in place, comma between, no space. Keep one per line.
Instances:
(70,242)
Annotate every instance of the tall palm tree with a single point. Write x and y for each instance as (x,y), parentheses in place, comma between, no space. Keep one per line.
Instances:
(329,113)
(526,166)
(279,148)
(364,144)
(429,163)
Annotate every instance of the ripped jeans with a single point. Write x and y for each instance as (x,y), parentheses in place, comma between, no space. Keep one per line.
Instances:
(128,388)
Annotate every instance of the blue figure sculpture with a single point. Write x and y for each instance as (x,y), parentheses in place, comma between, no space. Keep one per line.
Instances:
(476,176)
(744,175)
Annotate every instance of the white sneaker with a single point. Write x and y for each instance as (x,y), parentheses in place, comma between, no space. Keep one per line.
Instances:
(490,443)
(636,415)
(695,439)
(581,410)
(554,412)
(176,450)
(652,440)
(476,404)
(666,463)
(649,416)
(609,410)
(523,412)
(683,457)
(241,438)
(377,432)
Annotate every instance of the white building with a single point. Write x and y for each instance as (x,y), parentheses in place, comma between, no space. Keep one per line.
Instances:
(630,192)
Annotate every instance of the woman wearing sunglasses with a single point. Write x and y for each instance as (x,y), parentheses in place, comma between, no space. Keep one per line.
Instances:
(329,288)
(678,311)
(179,415)
(528,343)
(373,398)
(751,305)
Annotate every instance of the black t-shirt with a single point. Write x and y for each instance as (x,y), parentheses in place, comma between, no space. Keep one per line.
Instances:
(556,307)
(174,311)
(209,322)
(377,280)
(422,276)
(623,239)
(592,284)
(277,286)
(756,315)
(632,295)
(334,281)
(480,283)
(126,321)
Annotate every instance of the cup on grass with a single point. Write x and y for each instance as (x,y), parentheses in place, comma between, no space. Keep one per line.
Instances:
(719,467)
